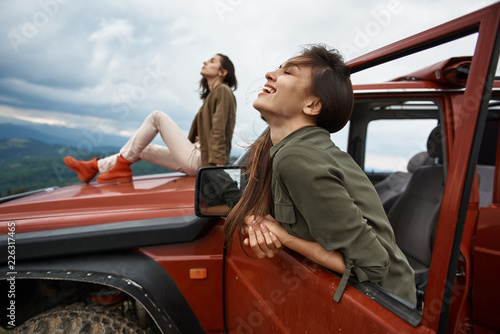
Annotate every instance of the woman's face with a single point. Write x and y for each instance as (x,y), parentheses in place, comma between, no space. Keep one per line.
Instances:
(285,92)
(212,67)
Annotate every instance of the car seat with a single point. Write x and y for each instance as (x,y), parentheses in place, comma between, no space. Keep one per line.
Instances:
(415,214)
(390,188)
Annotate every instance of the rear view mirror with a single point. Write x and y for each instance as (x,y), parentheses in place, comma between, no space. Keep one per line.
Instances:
(218,189)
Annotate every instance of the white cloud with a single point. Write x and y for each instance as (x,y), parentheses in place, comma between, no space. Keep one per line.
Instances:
(120,29)
(386,163)
(91,56)
(111,126)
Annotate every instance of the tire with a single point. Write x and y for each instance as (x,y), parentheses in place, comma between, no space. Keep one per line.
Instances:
(78,318)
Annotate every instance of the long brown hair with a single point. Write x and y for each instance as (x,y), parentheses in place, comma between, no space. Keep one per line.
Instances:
(330,81)
(230,78)
(257,197)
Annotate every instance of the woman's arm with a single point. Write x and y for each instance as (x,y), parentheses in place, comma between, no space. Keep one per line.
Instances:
(334,219)
(222,112)
(266,237)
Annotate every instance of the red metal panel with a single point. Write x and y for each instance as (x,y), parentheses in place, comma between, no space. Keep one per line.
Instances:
(457,161)
(82,205)
(205,296)
(486,294)
(291,294)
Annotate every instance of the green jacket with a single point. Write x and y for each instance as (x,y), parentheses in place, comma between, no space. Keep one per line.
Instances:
(213,126)
(320,194)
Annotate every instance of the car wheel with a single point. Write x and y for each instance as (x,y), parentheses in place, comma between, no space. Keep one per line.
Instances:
(78,318)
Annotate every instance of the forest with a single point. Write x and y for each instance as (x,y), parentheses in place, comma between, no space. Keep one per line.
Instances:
(27,164)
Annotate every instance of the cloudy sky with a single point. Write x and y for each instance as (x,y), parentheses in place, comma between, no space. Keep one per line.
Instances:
(107,64)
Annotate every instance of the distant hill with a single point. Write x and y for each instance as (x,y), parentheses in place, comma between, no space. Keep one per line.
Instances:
(51,134)
(27,164)
(15,149)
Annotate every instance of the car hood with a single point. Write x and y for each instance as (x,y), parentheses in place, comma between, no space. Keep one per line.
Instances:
(147,197)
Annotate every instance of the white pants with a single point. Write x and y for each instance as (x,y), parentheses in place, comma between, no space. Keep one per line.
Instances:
(180,154)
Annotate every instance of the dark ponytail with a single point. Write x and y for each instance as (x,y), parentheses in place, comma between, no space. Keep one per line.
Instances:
(331,83)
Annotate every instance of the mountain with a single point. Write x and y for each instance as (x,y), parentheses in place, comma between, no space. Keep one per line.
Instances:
(96,141)
(15,149)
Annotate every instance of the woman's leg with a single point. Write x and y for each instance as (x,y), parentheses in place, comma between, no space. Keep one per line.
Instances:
(180,149)
(105,164)
(181,154)
(162,156)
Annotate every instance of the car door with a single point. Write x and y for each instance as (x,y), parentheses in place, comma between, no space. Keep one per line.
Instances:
(291,294)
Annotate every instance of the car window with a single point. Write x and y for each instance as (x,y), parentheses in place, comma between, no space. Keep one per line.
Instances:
(390,144)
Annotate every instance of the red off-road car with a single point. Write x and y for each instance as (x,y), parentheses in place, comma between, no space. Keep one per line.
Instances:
(135,256)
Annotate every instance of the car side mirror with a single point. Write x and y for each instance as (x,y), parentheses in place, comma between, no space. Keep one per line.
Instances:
(218,189)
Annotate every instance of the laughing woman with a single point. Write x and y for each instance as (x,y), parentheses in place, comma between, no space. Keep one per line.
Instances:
(303,192)
(208,142)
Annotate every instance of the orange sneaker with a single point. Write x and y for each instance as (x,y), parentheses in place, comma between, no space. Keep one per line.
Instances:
(120,172)
(85,170)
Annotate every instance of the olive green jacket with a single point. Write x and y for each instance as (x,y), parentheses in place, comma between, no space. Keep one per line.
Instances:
(320,194)
(213,126)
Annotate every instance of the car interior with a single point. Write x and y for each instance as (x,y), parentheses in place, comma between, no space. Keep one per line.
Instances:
(412,199)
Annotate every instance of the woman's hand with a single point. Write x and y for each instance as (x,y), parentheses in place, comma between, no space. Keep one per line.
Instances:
(263,236)
(266,238)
